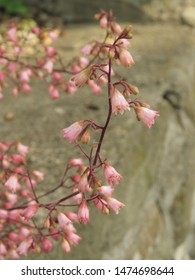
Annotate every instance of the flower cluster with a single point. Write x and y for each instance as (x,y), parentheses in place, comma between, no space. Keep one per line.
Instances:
(38,223)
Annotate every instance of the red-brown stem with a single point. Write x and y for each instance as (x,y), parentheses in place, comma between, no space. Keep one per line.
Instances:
(108,116)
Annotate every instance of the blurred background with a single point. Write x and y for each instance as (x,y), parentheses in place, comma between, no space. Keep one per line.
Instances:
(157,164)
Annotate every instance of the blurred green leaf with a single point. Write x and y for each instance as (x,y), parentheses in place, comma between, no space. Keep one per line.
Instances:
(14,7)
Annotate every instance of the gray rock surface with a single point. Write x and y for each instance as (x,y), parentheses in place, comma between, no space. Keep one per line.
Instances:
(77,11)
(157,164)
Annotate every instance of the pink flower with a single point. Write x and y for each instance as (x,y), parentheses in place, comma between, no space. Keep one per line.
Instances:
(39,175)
(146,115)
(47,245)
(25,88)
(101,205)
(24,247)
(126,58)
(73,238)
(86,50)
(83,183)
(105,190)
(103,21)
(82,77)
(3,249)
(22,149)
(114,204)
(25,75)
(63,220)
(71,87)
(54,92)
(12,183)
(48,66)
(76,162)
(119,103)
(116,28)
(3,214)
(72,132)
(18,159)
(83,213)
(30,211)
(96,89)
(50,51)
(11,34)
(83,62)
(111,175)
(72,216)
(57,76)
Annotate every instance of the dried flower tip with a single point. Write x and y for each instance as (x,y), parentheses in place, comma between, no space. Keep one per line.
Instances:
(86,136)
(82,77)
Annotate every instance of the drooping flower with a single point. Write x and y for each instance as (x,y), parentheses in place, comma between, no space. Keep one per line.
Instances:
(73,238)
(83,213)
(105,190)
(111,175)
(63,220)
(72,132)
(119,103)
(146,115)
(114,204)
(30,211)
(126,58)
(24,246)
(83,183)
(22,149)
(12,183)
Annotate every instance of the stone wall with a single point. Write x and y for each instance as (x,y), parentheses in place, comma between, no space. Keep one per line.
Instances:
(77,11)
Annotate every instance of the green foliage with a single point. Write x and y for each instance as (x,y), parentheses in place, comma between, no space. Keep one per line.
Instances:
(14,7)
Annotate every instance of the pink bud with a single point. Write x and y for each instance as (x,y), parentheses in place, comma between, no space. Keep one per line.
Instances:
(12,183)
(17,159)
(47,245)
(53,92)
(30,211)
(48,66)
(25,88)
(50,51)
